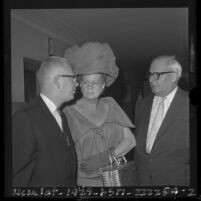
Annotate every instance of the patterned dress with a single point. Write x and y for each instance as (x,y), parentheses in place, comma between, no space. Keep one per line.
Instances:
(91,139)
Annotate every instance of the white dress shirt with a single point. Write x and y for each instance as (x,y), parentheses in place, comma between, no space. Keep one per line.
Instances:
(53,109)
(156,101)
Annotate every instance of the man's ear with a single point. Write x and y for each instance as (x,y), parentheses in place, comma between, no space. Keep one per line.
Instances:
(56,81)
(175,76)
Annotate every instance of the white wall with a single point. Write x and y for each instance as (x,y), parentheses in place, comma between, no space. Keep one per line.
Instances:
(27,41)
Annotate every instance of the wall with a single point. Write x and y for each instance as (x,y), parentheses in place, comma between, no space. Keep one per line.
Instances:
(27,41)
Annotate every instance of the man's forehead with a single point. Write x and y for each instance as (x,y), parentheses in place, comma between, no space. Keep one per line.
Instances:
(65,70)
(159,64)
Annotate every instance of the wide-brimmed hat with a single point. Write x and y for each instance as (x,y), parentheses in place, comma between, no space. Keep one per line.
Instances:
(92,58)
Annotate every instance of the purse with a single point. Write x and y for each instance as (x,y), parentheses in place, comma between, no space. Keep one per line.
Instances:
(120,173)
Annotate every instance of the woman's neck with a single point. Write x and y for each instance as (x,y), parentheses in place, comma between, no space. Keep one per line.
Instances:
(90,104)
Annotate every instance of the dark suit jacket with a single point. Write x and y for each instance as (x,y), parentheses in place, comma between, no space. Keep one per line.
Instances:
(41,157)
(168,162)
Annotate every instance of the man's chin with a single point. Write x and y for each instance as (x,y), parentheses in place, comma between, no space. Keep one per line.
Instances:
(154,90)
(70,98)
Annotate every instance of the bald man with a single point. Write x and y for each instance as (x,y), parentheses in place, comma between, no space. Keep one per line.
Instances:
(162,128)
(43,150)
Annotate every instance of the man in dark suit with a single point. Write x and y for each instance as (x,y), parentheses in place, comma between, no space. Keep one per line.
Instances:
(162,128)
(42,147)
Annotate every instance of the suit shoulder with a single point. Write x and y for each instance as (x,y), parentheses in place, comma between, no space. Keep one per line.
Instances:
(29,109)
(183,95)
(24,112)
(145,99)
(183,92)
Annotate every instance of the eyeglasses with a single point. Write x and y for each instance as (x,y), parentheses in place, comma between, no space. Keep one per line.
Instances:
(74,77)
(157,75)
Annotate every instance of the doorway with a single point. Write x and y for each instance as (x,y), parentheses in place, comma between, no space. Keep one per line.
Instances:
(31,87)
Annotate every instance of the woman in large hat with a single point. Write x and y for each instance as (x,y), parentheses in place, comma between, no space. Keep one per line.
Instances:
(98,125)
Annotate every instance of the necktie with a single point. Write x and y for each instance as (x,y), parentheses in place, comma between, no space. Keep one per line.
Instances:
(155,125)
(64,124)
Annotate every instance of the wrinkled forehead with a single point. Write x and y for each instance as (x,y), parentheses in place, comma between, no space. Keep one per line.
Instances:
(159,65)
(66,70)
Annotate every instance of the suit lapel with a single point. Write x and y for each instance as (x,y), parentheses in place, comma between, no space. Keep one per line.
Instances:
(145,123)
(169,117)
(52,121)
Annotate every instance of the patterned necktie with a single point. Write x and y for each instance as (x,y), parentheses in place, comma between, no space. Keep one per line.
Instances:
(155,125)
(64,124)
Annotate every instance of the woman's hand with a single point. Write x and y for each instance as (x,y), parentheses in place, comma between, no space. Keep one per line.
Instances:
(95,162)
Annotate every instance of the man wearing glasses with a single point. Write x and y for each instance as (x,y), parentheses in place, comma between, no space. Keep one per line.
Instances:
(42,147)
(162,128)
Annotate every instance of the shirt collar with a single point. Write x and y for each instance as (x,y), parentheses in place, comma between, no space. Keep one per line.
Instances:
(171,95)
(51,106)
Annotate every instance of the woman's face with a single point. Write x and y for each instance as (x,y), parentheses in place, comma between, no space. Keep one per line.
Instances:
(92,85)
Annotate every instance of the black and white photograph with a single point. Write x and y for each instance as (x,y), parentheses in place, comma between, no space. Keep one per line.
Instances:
(99,100)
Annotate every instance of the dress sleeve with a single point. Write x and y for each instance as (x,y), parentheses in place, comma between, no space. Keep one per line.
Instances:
(116,114)
(77,124)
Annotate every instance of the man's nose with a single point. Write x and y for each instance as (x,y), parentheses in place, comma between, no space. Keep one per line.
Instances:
(76,83)
(151,79)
